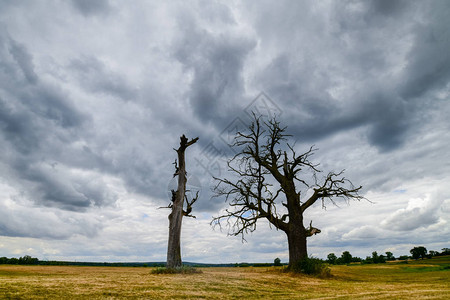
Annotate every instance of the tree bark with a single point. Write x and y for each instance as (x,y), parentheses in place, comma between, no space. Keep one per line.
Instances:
(296,232)
(176,216)
(297,244)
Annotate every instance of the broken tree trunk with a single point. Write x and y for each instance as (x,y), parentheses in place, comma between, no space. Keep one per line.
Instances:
(176,216)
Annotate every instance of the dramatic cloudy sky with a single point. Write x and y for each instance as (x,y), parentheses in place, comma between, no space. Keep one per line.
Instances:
(95,94)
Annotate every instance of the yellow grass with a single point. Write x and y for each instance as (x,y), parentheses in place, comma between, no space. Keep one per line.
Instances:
(416,280)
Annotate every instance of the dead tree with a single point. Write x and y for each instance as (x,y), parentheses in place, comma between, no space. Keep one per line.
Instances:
(178,199)
(268,183)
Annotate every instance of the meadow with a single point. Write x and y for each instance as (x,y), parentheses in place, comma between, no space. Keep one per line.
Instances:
(427,279)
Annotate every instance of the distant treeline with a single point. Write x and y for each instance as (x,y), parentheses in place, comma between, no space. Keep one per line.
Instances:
(345,258)
(416,253)
(28,260)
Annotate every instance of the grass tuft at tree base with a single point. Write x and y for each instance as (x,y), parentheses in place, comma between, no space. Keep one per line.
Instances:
(311,266)
(180,270)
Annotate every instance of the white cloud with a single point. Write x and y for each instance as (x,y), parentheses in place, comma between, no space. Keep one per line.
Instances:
(420,212)
(363,232)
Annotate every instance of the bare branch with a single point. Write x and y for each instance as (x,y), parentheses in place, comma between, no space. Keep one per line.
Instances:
(184,143)
(333,187)
(177,170)
(188,210)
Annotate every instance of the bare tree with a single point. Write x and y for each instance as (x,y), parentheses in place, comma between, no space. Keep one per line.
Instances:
(265,172)
(178,199)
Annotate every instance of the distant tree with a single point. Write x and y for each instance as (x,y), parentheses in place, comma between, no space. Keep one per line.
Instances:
(368,260)
(277,262)
(433,253)
(270,183)
(346,257)
(178,199)
(3,260)
(389,256)
(331,258)
(375,257)
(403,257)
(378,259)
(445,251)
(418,252)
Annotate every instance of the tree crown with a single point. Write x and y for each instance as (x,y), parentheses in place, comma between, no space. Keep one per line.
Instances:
(267,166)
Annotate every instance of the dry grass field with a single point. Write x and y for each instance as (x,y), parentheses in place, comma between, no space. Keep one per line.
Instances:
(428,279)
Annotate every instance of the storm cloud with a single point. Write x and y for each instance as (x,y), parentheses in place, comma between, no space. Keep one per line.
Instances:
(93,100)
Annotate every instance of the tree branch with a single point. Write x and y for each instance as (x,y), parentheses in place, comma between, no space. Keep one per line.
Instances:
(333,188)
(188,210)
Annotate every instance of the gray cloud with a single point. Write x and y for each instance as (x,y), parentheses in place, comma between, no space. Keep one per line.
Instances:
(387,8)
(90,8)
(19,220)
(93,76)
(429,61)
(94,98)
(369,40)
(40,123)
(23,59)
(216,62)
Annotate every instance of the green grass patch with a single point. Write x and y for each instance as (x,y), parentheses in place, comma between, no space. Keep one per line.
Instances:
(181,270)
(420,269)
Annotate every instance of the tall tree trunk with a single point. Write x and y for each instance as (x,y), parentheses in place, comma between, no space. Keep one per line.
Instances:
(296,241)
(296,231)
(176,216)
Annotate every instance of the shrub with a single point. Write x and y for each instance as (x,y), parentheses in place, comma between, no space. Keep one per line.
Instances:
(312,266)
(277,262)
(243,265)
(180,270)
(368,260)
